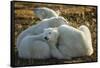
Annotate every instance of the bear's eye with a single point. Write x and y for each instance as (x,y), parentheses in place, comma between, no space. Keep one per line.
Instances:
(49,32)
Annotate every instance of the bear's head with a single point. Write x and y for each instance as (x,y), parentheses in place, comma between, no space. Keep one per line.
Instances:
(51,34)
(44,13)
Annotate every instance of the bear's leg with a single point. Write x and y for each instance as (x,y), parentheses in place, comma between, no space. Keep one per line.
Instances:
(87,34)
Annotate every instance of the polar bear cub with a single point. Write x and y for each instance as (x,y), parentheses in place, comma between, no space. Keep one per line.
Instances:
(73,42)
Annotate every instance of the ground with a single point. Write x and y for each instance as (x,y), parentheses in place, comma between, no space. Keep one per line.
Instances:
(76,16)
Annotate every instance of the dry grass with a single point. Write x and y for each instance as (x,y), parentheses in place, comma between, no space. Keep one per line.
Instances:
(76,15)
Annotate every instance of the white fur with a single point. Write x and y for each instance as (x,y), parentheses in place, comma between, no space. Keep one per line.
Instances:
(74,42)
(38,28)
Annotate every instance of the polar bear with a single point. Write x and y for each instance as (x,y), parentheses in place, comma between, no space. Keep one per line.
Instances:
(73,42)
(38,28)
(40,46)
(44,13)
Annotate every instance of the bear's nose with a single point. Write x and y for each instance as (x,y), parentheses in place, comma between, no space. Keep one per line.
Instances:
(46,38)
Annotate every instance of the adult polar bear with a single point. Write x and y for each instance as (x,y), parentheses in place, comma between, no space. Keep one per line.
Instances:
(74,42)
